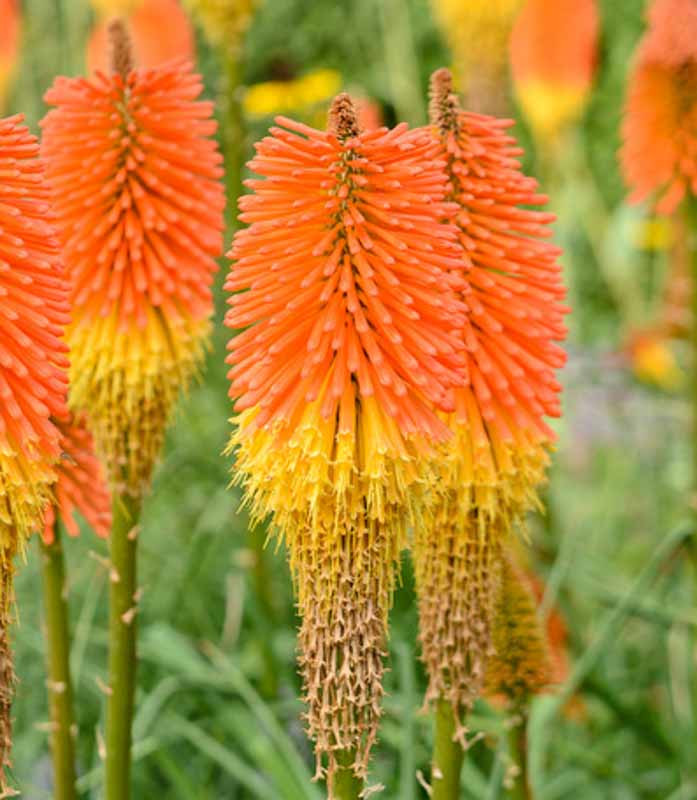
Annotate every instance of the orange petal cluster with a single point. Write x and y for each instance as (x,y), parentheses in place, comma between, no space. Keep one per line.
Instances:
(160,30)
(553,59)
(659,153)
(81,484)
(135,177)
(10,15)
(513,287)
(34,311)
(346,269)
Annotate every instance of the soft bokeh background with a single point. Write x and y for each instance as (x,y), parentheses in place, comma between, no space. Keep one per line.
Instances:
(218,714)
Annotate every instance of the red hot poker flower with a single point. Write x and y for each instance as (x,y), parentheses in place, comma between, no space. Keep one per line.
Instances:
(353,336)
(135,179)
(659,154)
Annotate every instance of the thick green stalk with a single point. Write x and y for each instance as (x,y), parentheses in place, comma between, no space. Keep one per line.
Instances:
(344,784)
(518,751)
(263,585)
(690,232)
(122,645)
(60,691)
(448,755)
(234,132)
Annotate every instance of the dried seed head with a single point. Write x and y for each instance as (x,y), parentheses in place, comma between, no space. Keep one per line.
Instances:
(521,663)
(343,118)
(456,574)
(120,48)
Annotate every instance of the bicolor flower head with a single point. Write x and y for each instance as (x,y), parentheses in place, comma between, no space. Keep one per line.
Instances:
(10,34)
(553,59)
(659,154)
(343,283)
(224,22)
(478,34)
(512,292)
(81,484)
(160,32)
(33,362)
(135,179)
(33,369)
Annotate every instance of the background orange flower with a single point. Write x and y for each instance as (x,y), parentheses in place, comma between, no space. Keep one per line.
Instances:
(659,154)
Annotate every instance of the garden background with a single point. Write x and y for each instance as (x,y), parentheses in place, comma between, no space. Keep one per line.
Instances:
(217,708)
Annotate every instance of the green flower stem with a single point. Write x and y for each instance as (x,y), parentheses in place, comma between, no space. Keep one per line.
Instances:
(345,785)
(263,583)
(122,645)
(518,751)
(60,692)
(234,133)
(690,229)
(448,755)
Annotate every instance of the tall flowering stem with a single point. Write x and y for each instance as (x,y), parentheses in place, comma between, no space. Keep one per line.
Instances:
(489,470)
(33,372)
(135,180)
(60,690)
(80,486)
(521,664)
(343,283)
(225,24)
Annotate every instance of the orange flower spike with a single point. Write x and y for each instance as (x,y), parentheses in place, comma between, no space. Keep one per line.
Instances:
(33,370)
(136,187)
(160,31)
(33,363)
(344,283)
(553,59)
(10,35)
(659,153)
(512,291)
(81,485)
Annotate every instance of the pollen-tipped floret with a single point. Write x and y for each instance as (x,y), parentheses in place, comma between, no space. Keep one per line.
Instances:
(659,154)
(345,280)
(135,182)
(553,58)
(490,468)
(81,484)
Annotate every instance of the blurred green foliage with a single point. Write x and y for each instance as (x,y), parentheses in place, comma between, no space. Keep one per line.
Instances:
(218,714)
